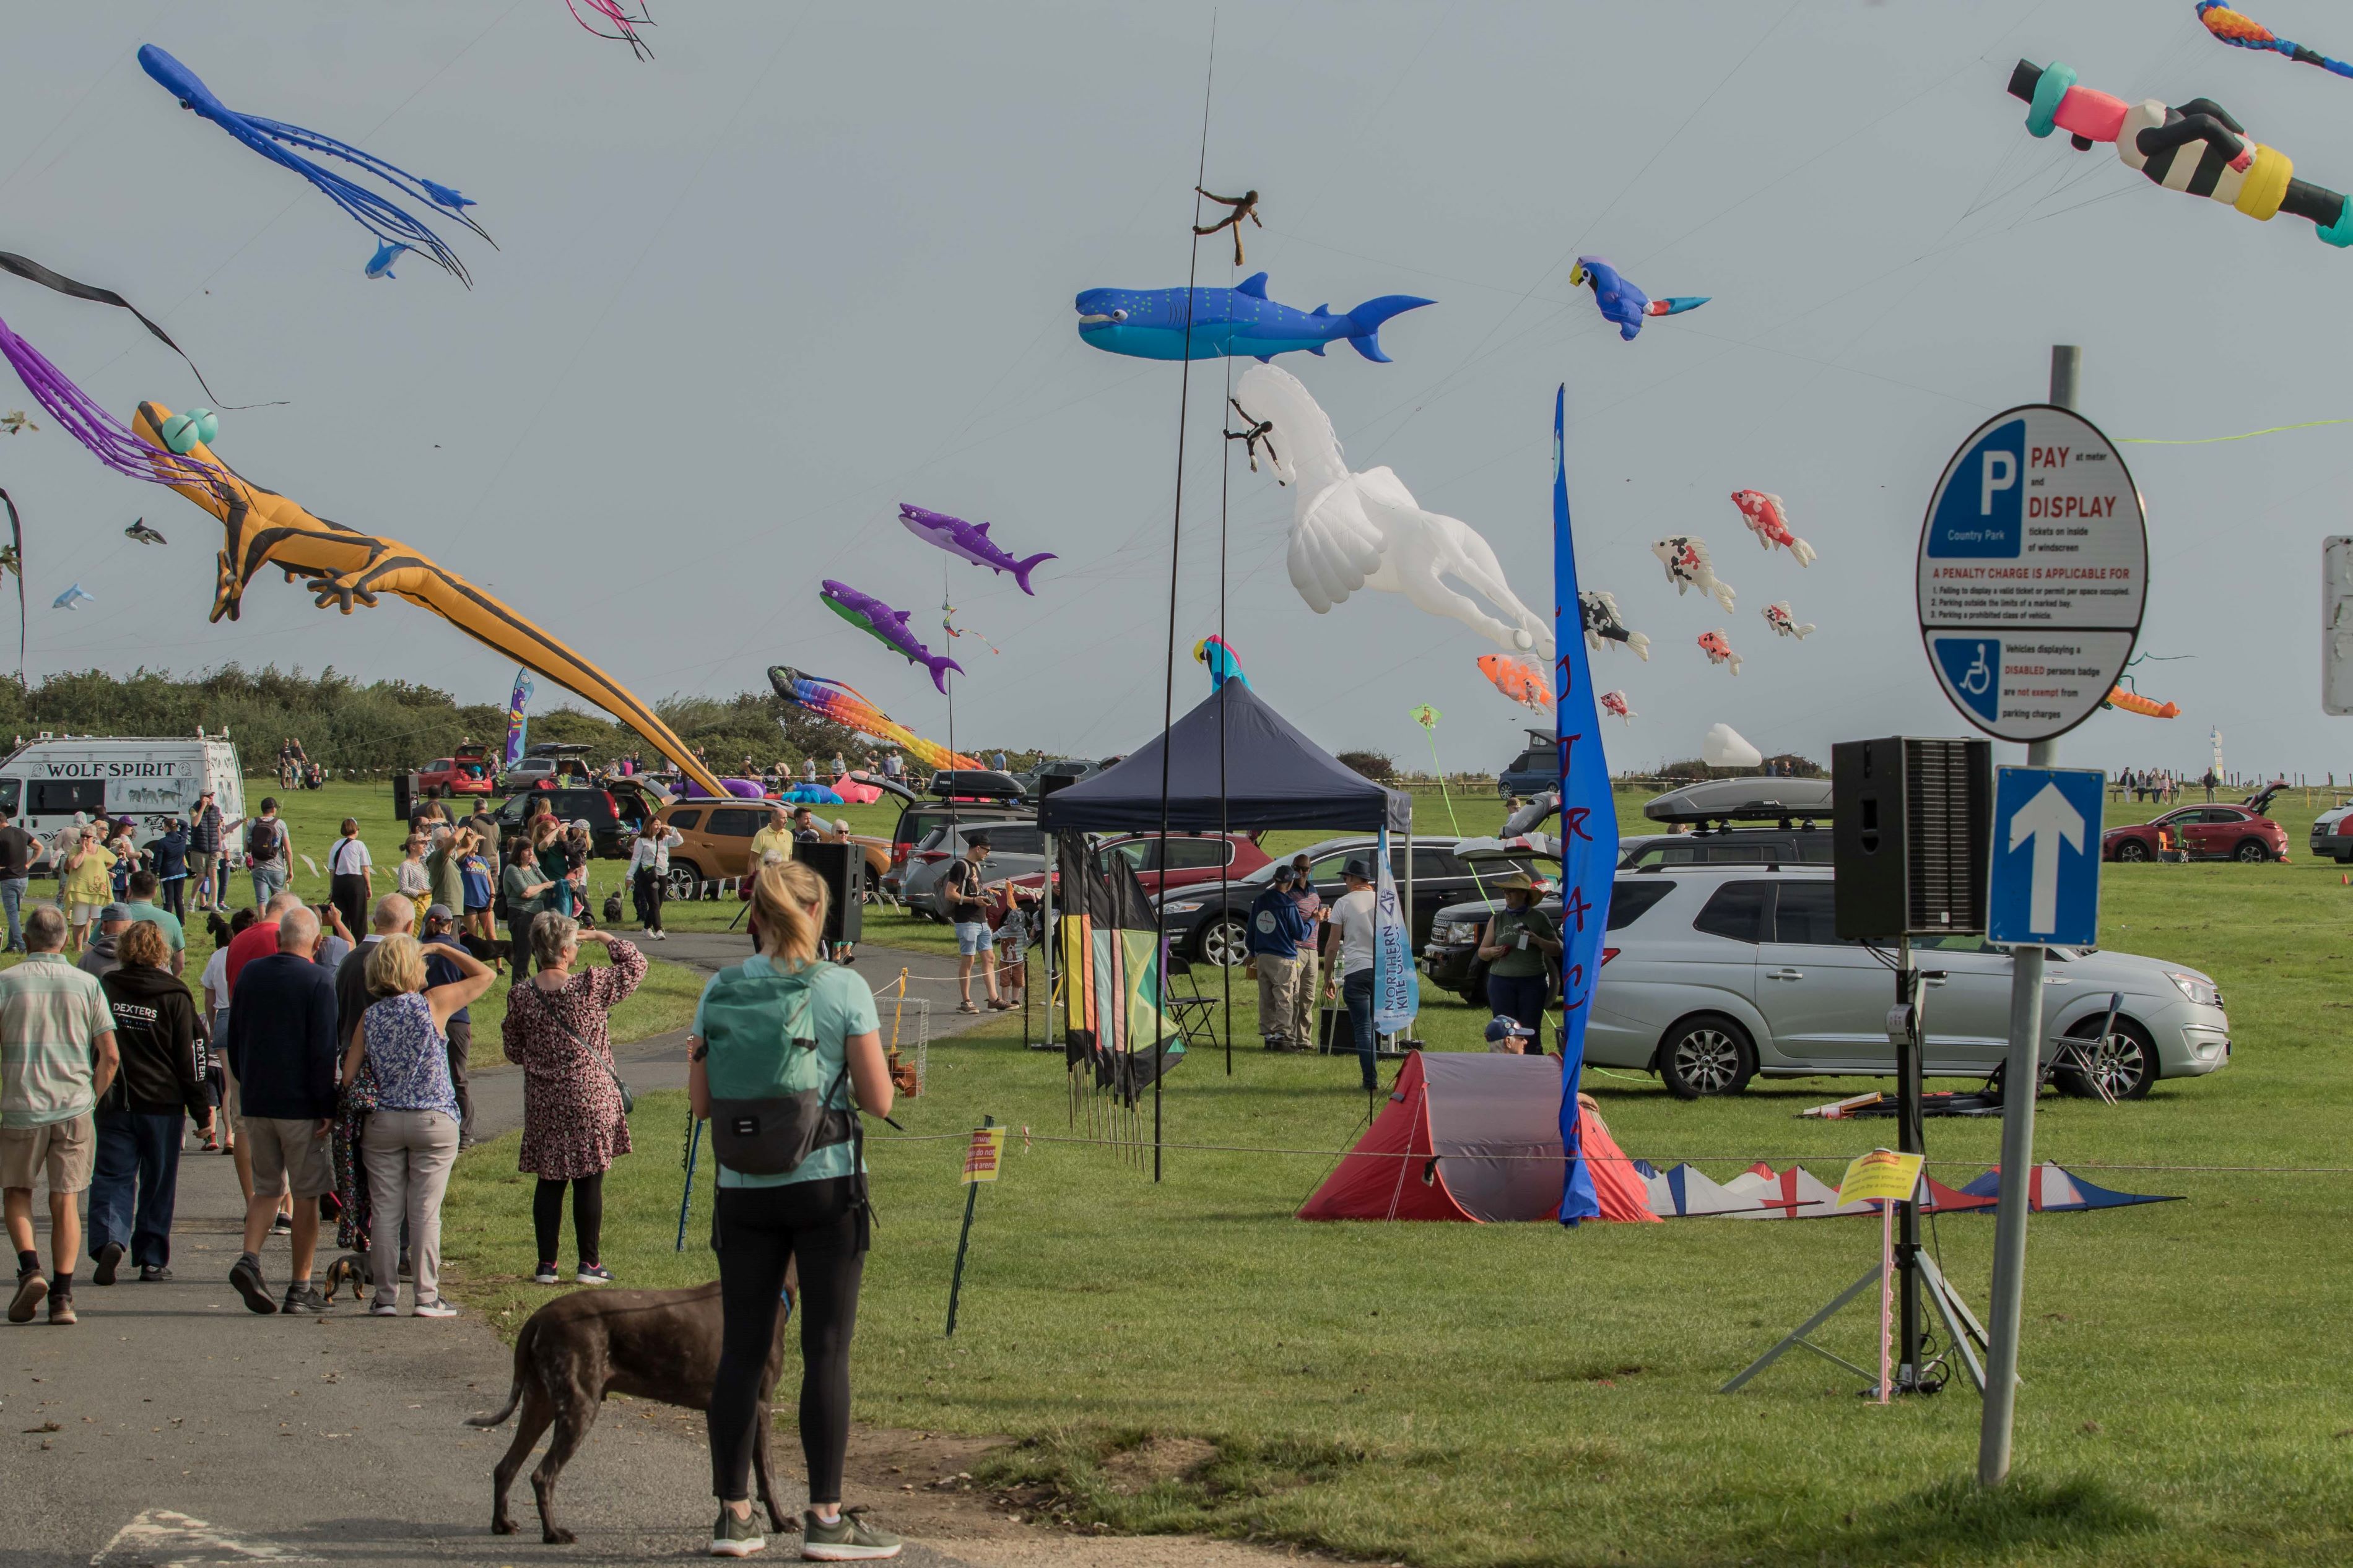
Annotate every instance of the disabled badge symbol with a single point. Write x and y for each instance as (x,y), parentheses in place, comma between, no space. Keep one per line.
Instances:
(1970,667)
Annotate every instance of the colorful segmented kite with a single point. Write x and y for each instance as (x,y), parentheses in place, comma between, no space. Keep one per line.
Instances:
(1688,565)
(1622,301)
(2146,706)
(969,542)
(1522,683)
(838,703)
(1769,520)
(2244,32)
(1218,657)
(1210,323)
(887,626)
(2197,149)
(1597,607)
(391,224)
(344,567)
(1718,650)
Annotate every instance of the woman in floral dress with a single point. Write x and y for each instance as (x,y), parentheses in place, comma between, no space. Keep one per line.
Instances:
(573,1122)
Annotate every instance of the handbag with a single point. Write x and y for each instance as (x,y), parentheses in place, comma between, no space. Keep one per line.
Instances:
(628,1097)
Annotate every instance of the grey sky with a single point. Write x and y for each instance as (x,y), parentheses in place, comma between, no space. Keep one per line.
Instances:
(816,260)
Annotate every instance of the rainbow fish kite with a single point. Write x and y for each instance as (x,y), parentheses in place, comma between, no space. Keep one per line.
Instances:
(840,703)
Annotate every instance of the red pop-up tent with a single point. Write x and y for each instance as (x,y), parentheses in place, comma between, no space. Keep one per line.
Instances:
(1473,1137)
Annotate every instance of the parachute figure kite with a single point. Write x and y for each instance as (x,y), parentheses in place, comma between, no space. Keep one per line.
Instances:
(1162,323)
(1599,610)
(2197,149)
(2245,33)
(1718,650)
(1689,566)
(1243,206)
(1517,680)
(344,567)
(1213,653)
(1784,622)
(969,542)
(1769,520)
(1366,530)
(1622,301)
(140,531)
(838,703)
(392,223)
(1615,702)
(73,598)
(887,626)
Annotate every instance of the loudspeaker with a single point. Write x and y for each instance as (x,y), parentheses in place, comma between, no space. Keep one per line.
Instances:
(1911,827)
(400,802)
(843,866)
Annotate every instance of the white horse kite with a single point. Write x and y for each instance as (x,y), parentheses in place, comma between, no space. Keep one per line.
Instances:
(1366,530)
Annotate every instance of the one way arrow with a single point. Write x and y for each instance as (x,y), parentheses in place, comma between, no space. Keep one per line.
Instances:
(2046,819)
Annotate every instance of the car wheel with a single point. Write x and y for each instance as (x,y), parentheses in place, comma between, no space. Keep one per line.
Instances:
(1707,1056)
(1222,943)
(683,879)
(2132,849)
(2250,852)
(2126,1062)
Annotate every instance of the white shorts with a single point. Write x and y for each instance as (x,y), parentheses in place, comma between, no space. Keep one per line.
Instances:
(82,914)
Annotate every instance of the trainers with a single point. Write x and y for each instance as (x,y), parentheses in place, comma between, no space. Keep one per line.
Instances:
(247,1278)
(849,1539)
(281,1224)
(593,1274)
(384,1308)
(109,1260)
(545,1274)
(31,1286)
(435,1310)
(153,1273)
(61,1312)
(734,1537)
(304,1300)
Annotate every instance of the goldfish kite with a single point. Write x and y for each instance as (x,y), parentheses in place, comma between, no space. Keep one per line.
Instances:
(1778,615)
(2197,149)
(1517,680)
(1212,652)
(1599,609)
(838,703)
(1771,522)
(140,531)
(625,26)
(1354,530)
(1622,301)
(73,598)
(1718,650)
(391,224)
(2146,706)
(1688,566)
(2244,32)
(969,540)
(887,626)
(1615,702)
(1212,323)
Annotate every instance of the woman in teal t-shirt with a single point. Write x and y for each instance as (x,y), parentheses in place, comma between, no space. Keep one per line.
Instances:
(749,1022)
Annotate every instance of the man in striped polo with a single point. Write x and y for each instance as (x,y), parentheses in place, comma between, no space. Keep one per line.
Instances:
(57,1057)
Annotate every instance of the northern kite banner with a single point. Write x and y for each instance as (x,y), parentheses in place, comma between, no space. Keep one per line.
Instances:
(518,720)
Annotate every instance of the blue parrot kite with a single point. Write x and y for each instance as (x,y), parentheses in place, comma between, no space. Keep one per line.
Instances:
(1622,301)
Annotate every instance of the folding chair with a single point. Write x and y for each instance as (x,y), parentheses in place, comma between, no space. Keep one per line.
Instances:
(1193,1010)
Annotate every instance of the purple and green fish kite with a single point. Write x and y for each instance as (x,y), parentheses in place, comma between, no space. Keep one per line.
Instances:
(886,626)
(970,541)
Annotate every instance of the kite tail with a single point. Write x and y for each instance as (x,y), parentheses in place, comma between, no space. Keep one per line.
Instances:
(1676,304)
(1365,322)
(1802,550)
(108,439)
(939,664)
(1021,570)
(388,221)
(1640,644)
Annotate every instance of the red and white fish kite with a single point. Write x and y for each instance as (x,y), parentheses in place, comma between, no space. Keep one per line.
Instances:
(1769,520)
(1718,650)
(1688,566)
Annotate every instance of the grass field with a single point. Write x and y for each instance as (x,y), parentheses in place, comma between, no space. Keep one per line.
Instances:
(1450,1394)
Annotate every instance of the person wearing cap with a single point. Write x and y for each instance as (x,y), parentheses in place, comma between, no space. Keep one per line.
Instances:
(1276,931)
(204,848)
(99,959)
(1520,944)
(1311,910)
(441,948)
(1510,1037)
(968,913)
(1349,949)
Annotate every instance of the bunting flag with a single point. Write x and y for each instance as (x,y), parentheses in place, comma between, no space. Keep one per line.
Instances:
(1112,950)
(518,719)
(1589,826)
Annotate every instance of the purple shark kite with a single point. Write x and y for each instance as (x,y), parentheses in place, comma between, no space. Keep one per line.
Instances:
(969,540)
(888,626)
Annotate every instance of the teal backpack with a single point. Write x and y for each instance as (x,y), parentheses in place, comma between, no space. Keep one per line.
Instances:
(771,1105)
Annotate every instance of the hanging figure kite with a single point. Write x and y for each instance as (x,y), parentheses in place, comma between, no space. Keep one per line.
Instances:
(2244,32)
(1241,321)
(143,534)
(1622,301)
(388,221)
(1769,520)
(73,598)
(886,626)
(1353,530)
(1212,652)
(838,703)
(1244,206)
(1615,702)
(2133,703)
(1253,436)
(1517,680)
(625,26)
(1689,566)
(1784,622)
(1599,609)
(1718,650)
(2197,149)
(970,541)
(12,564)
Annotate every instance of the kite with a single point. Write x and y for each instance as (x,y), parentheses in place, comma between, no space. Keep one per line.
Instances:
(344,567)
(947,625)
(12,564)
(2243,32)
(838,703)
(1615,702)
(88,424)
(970,541)
(15,422)
(1784,623)
(1726,747)
(1522,683)
(1718,651)
(1214,653)
(143,534)
(625,25)
(1210,323)
(1366,530)
(886,626)
(2197,149)
(1769,520)
(73,598)
(2146,706)
(380,264)
(1622,301)
(1599,609)
(1426,716)
(392,223)
(32,271)
(1688,566)
(1253,437)
(1244,206)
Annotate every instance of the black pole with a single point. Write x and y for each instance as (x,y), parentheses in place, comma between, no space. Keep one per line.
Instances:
(1225,825)
(1908,1141)
(955,1285)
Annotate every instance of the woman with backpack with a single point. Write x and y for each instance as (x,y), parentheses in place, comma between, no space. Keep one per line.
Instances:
(783,1055)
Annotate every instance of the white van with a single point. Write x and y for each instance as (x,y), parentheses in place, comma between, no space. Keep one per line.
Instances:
(44,781)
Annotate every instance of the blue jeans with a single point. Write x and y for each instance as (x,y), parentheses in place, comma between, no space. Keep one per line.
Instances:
(12,896)
(141,1154)
(268,881)
(1520,996)
(1357,990)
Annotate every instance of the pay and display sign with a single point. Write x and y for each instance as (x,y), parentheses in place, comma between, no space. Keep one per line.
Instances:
(2034,567)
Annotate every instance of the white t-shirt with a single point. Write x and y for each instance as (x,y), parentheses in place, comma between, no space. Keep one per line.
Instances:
(1352,916)
(216,980)
(350,858)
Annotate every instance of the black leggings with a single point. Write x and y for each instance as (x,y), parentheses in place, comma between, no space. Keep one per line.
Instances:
(757,1231)
(587,1216)
(646,890)
(349,894)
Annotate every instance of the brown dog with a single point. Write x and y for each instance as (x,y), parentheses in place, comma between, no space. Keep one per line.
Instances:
(650,1345)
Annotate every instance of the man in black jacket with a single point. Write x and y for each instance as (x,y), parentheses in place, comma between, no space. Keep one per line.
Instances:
(134,1187)
(281,1047)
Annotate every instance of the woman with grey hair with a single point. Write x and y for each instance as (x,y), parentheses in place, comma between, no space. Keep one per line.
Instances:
(573,1123)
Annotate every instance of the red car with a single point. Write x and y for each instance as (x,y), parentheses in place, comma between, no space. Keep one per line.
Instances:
(1193,858)
(2200,833)
(467,772)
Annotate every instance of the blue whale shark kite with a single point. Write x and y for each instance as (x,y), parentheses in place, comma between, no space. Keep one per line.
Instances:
(1622,301)
(1242,322)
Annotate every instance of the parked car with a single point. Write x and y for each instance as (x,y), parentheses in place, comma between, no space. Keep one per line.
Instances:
(612,813)
(1203,923)
(715,842)
(2332,835)
(1070,768)
(466,772)
(1192,857)
(1533,771)
(919,820)
(2200,833)
(1015,849)
(1714,975)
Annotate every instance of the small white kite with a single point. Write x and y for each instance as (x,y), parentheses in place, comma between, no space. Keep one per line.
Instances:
(1784,622)
(1726,747)
(1688,566)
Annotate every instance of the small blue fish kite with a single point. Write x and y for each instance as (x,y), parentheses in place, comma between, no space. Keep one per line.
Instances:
(969,540)
(73,598)
(394,227)
(1622,301)
(380,264)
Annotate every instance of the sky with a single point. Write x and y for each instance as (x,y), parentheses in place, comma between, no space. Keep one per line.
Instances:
(815,260)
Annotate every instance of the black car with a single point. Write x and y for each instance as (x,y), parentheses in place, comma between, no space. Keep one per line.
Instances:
(612,813)
(1204,923)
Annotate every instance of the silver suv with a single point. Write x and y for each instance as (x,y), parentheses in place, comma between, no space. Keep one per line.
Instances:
(1713,974)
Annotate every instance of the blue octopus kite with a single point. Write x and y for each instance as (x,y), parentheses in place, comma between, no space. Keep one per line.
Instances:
(395,228)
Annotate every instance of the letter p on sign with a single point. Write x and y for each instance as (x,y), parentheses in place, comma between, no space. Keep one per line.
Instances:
(2000,473)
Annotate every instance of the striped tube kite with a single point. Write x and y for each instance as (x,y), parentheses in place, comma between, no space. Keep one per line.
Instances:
(345,567)
(838,703)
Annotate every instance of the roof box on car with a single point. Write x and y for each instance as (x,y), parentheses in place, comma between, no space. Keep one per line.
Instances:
(1742,800)
(975,783)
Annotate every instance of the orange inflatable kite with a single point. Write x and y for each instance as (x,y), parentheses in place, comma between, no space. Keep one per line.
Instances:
(344,566)
(2148,707)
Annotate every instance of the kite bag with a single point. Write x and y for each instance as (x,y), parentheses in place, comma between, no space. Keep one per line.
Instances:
(771,1106)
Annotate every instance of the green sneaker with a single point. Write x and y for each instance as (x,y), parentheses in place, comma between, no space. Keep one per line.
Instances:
(734,1537)
(849,1539)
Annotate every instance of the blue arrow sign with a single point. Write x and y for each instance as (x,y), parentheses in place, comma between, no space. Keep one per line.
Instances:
(2044,890)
